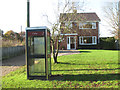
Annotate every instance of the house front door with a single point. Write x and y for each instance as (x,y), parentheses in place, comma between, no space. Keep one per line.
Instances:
(71,42)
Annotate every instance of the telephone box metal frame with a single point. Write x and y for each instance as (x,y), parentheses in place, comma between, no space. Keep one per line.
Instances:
(46,32)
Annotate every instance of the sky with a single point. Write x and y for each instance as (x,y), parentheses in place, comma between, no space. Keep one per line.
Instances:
(13,14)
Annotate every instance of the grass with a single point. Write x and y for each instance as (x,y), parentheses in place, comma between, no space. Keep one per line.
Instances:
(89,69)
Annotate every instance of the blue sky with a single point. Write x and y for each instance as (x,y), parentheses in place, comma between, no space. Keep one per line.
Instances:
(13,13)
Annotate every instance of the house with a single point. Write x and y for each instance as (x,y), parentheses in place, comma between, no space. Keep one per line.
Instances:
(83,30)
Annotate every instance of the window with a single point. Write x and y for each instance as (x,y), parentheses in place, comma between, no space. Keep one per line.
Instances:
(68,24)
(87,25)
(87,40)
(94,25)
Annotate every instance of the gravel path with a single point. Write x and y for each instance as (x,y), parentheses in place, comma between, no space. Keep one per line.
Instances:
(17,62)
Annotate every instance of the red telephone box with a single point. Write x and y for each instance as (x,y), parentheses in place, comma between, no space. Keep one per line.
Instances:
(38,53)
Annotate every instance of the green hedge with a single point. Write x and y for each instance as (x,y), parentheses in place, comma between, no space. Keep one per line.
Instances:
(108,43)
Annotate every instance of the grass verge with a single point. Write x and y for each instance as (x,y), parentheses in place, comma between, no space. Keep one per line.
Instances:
(89,69)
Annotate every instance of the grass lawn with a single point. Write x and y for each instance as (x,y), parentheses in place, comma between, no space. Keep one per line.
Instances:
(89,69)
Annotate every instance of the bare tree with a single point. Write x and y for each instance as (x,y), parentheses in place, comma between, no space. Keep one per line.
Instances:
(111,14)
(68,7)
(119,26)
(119,20)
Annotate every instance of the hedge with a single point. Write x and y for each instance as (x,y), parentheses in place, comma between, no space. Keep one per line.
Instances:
(108,43)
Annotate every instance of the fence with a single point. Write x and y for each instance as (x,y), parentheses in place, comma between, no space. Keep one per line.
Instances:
(8,52)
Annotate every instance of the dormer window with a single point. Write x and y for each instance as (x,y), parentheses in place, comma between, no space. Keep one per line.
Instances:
(87,25)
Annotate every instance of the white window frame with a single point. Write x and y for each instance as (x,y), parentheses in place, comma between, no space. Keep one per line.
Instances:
(94,40)
(93,23)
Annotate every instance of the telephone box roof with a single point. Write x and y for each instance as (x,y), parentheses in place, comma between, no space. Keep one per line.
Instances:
(39,27)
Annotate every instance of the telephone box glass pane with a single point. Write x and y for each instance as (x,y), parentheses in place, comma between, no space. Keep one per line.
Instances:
(37,66)
(39,45)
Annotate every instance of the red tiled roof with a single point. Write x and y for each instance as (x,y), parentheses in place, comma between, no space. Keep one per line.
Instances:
(79,17)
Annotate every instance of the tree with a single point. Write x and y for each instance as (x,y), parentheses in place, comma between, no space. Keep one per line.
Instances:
(56,29)
(111,14)
(119,27)
(10,35)
(17,36)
